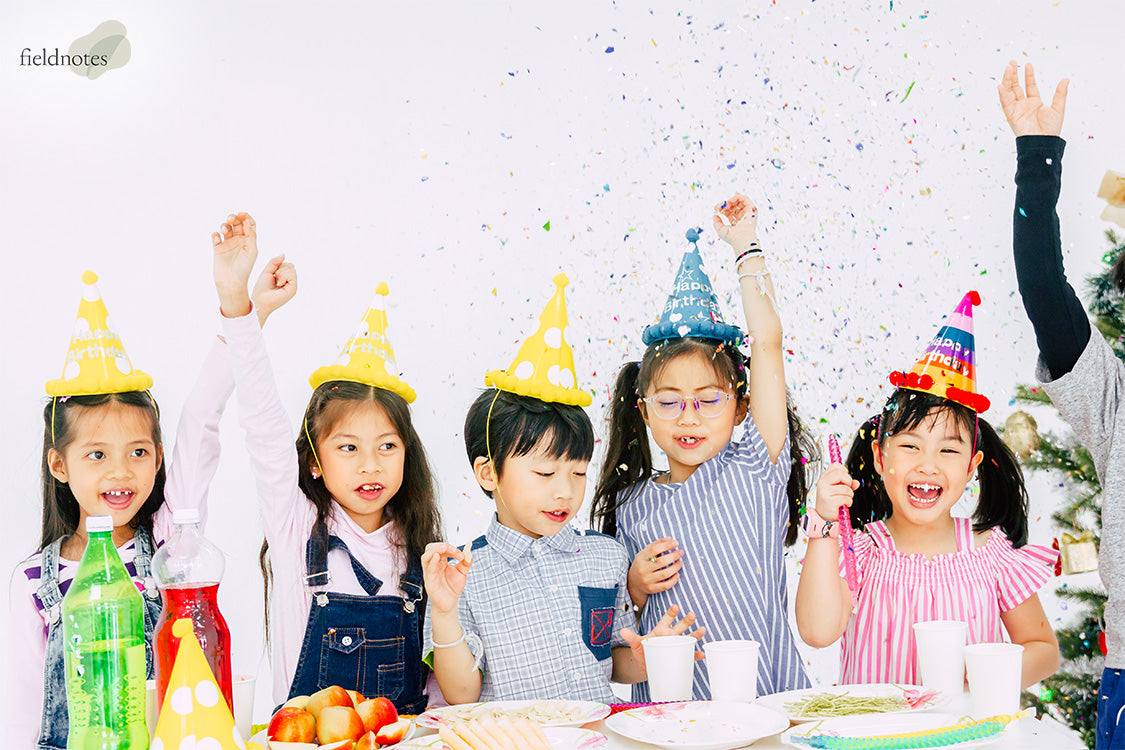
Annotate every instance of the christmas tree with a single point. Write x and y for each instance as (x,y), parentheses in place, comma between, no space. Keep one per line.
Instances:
(1071,695)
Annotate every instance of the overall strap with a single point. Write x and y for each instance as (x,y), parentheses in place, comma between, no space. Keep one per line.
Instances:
(411,584)
(316,564)
(143,547)
(49,594)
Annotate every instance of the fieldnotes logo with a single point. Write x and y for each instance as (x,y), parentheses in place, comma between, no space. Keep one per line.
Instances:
(90,56)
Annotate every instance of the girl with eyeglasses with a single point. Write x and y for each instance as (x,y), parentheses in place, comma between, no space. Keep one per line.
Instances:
(709,533)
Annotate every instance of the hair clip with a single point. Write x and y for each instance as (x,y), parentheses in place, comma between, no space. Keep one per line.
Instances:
(63,399)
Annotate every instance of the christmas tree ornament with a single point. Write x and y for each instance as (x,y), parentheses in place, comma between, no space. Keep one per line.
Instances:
(1021,434)
(1079,553)
(1112,191)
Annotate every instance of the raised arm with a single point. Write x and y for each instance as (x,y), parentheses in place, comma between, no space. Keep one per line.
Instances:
(736,222)
(1062,329)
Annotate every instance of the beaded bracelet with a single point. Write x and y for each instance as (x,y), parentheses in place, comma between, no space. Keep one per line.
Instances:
(816,527)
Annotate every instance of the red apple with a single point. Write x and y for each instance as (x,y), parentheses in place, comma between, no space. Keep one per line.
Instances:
(329,696)
(292,725)
(356,696)
(367,742)
(341,745)
(337,723)
(393,733)
(377,713)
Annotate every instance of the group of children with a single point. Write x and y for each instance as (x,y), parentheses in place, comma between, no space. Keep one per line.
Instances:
(362,591)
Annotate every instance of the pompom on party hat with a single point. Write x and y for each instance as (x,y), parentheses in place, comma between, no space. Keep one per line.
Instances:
(194,713)
(692,310)
(96,361)
(368,357)
(544,366)
(947,368)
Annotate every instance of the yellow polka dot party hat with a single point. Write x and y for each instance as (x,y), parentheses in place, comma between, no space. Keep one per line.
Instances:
(96,361)
(368,357)
(544,366)
(194,713)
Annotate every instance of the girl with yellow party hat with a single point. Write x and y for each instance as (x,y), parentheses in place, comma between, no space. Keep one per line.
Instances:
(914,561)
(530,442)
(347,508)
(103,456)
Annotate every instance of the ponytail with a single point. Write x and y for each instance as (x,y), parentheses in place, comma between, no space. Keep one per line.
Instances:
(1003,496)
(803,452)
(869,502)
(628,460)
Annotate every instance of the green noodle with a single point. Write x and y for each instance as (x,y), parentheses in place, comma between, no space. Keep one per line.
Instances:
(825,705)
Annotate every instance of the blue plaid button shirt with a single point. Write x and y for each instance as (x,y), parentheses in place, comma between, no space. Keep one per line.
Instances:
(548,611)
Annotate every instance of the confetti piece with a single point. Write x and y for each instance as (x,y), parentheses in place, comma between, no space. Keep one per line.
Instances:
(547,226)
(908,90)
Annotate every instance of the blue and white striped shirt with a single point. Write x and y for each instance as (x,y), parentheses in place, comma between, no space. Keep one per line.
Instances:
(730,519)
(548,612)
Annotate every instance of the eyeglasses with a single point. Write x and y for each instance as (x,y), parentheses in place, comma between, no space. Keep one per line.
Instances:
(710,403)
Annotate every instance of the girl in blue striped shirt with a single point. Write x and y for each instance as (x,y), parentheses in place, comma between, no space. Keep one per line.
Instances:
(709,534)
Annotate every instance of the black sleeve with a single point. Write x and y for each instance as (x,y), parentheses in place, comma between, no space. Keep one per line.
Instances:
(1062,329)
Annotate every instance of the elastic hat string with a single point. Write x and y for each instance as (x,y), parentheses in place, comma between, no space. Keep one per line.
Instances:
(488,446)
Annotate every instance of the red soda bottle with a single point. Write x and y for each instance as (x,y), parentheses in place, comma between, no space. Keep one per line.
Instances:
(188,569)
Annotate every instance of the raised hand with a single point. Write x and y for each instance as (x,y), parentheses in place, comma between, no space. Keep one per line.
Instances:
(666,626)
(1025,110)
(236,249)
(445,582)
(736,221)
(834,488)
(655,568)
(276,285)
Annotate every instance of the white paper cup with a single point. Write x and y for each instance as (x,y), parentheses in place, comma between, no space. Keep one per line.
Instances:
(152,711)
(242,693)
(732,670)
(940,646)
(994,677)
(670,660)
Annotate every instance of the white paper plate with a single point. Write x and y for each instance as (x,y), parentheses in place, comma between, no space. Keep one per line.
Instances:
(560,738)
(698,725)
(930,699)
(583,712)
(875,725)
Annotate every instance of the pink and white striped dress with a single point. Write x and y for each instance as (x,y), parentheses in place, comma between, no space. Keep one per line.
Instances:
(897,590)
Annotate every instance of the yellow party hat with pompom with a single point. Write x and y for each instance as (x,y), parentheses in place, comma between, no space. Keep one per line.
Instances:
(368,357)
(544,366)
(194,713)
(96,361)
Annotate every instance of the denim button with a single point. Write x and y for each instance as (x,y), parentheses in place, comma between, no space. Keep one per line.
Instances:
(346,640)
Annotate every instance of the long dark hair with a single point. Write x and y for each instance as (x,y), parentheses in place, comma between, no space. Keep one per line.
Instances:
(413,508)
(628,459)
(1003,497)
(60,508)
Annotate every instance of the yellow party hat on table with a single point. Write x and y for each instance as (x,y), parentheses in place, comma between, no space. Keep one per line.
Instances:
(368,357)
(194,713)
(96,361)
(544,367)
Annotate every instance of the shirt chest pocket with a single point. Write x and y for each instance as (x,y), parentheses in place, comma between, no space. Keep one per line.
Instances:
(598,608)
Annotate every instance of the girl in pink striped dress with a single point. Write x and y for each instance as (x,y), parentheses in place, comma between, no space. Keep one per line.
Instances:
(907,468)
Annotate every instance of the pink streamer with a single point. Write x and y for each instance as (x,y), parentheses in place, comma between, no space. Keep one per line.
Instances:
(845,520)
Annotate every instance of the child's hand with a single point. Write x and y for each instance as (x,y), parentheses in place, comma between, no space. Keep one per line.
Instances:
(666,626)
(736,222)
(276,285)
(495,734)
(655,568)
(236,249)
(1026,113)
(834,488)
(445,582)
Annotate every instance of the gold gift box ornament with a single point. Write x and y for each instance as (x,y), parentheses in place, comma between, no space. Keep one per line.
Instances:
(1079,554)
(1112,191)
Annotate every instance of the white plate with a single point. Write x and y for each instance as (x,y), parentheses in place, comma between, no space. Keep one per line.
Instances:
(875,725)
(777,701)
(583,711)
(412,730)
(560,738)
(698,725)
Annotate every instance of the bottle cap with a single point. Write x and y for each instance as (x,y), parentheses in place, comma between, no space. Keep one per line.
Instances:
(185,515)
(98,524)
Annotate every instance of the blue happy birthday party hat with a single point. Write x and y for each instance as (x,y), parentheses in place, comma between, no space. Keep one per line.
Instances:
(692,311)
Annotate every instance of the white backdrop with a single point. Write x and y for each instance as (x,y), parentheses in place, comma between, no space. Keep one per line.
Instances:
(428,145)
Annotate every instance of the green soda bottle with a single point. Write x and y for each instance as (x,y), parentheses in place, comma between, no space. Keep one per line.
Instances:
(104,641)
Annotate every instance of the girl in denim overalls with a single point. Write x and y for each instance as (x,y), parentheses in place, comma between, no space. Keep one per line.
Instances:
(103,455)
(347,508)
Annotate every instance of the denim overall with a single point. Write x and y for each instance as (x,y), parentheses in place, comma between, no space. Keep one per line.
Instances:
(372,644)
(55,724)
